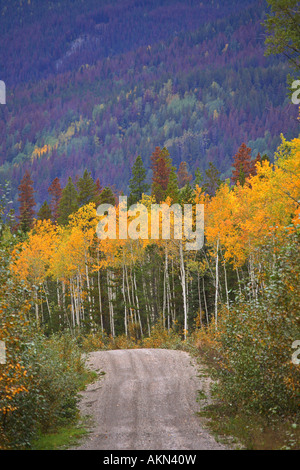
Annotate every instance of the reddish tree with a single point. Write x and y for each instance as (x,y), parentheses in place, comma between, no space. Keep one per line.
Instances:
(183,175)
(99,187)
(253,164)
(161,168)
(55,190)
(27,203)
(99,190)
(243,165)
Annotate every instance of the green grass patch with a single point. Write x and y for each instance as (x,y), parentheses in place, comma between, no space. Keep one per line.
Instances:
(63,438)
(252,431)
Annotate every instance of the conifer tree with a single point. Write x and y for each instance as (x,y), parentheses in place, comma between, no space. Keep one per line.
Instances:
(282,28)
(27,202)
(183,175)
(187,194)
(45,212)
(253,164)
(137,184)
(68,203)
(107,196)
(161,168)
(212,180)
(198,181)
(172,189)
(243,165)
(55,190)
(87,189)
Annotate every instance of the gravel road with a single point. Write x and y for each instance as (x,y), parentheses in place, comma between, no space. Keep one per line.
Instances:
(145,401)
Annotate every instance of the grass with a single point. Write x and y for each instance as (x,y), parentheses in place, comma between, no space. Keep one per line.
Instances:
(62,438)
(252,432)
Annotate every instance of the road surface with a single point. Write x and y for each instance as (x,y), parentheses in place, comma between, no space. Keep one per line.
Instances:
(145,401)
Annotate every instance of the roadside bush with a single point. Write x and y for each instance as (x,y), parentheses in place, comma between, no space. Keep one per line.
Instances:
(251,349)
(55,374)
(162,338)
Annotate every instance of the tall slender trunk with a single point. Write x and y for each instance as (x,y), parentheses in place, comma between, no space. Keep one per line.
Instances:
(199,298)
(217,284)
(110,302)
(183,285)
(47,301)
(137,305)
(37,306)
(225,280)
(88,286)
(124,297)
(205,301)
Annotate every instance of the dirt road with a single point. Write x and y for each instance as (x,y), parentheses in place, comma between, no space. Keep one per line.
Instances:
(145,401)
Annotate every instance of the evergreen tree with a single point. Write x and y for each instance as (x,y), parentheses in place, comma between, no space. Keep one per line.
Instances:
(55,190)
(198,181)
(137,184)
(45,212)
(187,194)
(161,168)
(282,27)
(172,189)
(68,203)
(243,165)
(258,159)
(183,175)
(27,203)
(98,184)
(265,157)
(87,189)
(212,180)
(107,196)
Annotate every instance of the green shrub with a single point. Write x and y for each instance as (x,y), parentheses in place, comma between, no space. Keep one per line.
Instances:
(251,349)
(55,375)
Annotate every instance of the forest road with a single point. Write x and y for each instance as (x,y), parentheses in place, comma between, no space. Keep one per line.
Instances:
(147,400)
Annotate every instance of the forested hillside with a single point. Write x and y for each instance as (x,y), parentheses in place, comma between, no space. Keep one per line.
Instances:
(93,86)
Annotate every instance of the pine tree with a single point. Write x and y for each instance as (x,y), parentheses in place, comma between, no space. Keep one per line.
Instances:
(212,180)
(27,203)
(258,159)
(87,189)
(68,203)
(161,168)
(107,196)
(45,212)
(243,166)
(172,189)
(187,194)
(282,28)
(55,190)
(183,175)
(137,184)
(265,158)
(198,181)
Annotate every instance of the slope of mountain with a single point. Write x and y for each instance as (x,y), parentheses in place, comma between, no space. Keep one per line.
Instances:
(92,84)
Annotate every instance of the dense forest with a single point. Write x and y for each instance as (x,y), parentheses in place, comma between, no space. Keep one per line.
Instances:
(106,84)
(169,103)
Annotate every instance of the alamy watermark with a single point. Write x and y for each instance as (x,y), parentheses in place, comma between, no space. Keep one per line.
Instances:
(2,352)
(2,92)
(296,354)
(160,222)
(296,94)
